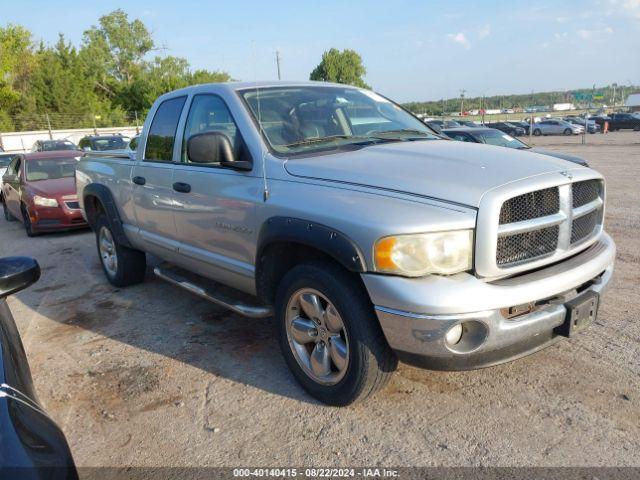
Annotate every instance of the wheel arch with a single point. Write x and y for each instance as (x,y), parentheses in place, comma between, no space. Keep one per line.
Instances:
(284,242)
(99,199)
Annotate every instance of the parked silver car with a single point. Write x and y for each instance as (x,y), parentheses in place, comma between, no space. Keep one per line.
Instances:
(368,237)
(556,127)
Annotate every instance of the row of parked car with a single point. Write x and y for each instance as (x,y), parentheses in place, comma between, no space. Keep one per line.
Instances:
(568,125)
(38,188)
(94,143)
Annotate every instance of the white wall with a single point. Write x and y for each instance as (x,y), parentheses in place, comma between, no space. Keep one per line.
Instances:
(23,141)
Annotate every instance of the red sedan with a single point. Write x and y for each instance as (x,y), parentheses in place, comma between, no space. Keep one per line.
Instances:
(40,189)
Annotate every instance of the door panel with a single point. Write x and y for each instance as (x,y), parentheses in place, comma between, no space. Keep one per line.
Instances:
(154,205)
(215,219)
(152,181)
(216,223)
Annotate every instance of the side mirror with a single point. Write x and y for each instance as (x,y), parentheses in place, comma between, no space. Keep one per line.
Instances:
(9,178)
(17,273)
(214,147)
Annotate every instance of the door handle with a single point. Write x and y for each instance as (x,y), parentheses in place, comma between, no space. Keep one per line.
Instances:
(139,180)
(182,187)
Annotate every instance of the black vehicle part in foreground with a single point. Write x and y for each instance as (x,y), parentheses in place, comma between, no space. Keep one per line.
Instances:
(31,444)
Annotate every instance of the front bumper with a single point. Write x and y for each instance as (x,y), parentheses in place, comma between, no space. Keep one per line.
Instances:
(416,314)
(45,219)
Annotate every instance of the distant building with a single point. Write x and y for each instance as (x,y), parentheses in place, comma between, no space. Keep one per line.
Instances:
(633,102)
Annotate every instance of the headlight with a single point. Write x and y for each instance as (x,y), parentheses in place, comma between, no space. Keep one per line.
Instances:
(420,254)
(45,202)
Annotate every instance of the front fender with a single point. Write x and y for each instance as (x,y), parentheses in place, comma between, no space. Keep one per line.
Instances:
(326,239)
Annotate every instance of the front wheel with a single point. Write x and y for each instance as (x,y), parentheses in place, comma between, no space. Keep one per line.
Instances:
(122,266)
(330,336)
(26,220)
(567,131)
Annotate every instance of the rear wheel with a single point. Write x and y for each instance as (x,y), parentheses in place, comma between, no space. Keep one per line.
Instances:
(122,266)
(329,334)
(537,132)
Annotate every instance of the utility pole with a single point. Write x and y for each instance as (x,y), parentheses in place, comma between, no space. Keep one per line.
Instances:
(49,125)
(278,63)
(462,101)
(613,99)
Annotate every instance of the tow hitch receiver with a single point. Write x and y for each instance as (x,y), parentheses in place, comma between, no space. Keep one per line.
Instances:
(581,312)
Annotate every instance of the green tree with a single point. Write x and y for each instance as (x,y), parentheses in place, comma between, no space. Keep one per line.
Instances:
(109,75)
(16,64)
(117,46)
(340,67)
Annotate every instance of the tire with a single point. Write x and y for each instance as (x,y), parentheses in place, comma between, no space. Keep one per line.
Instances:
(567,131)
(26,220)
(7,214)
(121,265)
(537,132)
(368,362)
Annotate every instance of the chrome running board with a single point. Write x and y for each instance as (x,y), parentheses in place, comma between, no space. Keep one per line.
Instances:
(172,275)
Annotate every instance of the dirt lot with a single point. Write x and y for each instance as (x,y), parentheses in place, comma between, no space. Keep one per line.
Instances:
(151,375)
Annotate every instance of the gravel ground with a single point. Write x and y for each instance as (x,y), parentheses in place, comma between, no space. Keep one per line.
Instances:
(151,375)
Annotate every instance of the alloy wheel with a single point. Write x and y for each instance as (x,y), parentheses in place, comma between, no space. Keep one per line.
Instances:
(108,253)
(317,336)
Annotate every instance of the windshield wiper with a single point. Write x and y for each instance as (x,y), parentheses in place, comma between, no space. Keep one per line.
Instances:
(311,141)
(360,140)
(409,131)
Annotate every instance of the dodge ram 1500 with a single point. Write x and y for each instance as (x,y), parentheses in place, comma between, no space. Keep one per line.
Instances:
(368,238)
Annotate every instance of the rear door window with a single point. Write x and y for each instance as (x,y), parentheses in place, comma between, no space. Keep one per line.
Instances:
(162,133)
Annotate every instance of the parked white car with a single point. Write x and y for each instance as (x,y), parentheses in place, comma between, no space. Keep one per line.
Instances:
(552,126)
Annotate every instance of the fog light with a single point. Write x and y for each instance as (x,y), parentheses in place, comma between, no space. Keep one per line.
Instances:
(454,334)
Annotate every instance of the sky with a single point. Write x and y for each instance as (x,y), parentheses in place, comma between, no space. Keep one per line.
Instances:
(412,50)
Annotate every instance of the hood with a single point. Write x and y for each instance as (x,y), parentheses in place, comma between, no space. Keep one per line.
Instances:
(457,172)
(55,187)
(563,156)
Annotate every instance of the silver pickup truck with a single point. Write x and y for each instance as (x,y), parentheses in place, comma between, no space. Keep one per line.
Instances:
(366,236)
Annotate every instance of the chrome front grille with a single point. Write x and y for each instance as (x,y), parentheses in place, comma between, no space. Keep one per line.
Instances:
(520,247)
(539,224)
(530,205)
(582,227)
(585,192)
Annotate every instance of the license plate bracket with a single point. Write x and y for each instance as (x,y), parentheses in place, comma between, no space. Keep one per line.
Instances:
(582,311)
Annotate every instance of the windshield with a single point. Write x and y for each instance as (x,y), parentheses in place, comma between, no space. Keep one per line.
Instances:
(298,120)
(50,168)
(51,146)
(501,140)
(110,143)
(5,160)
